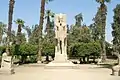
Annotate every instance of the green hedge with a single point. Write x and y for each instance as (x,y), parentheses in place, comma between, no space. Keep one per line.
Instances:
(83,49)
(24,51)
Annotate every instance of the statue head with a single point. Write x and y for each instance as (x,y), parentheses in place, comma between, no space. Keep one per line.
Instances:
(60,18)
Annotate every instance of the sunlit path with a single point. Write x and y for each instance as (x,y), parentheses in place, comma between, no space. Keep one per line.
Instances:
(39,73)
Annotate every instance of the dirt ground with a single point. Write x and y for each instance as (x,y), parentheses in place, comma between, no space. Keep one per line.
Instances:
(85,72)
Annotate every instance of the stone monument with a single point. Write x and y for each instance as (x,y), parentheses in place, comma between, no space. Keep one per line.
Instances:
(6,64)
(60,59)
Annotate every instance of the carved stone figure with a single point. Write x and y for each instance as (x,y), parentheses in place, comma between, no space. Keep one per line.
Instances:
(6,64)
(60,35)
(60,60)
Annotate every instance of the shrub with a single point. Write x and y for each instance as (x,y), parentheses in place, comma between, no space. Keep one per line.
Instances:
(83,49)
(25,50)
(28,49)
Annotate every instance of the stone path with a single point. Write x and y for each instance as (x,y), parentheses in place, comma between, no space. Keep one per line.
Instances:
(39,73)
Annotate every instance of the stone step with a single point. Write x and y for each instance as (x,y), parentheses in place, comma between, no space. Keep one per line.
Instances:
(61,65)
(34,65)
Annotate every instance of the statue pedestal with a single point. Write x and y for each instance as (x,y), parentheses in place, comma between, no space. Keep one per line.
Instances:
(60,62)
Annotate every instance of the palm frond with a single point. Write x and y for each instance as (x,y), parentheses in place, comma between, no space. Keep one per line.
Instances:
(108,1)
(19,21)
(47,1)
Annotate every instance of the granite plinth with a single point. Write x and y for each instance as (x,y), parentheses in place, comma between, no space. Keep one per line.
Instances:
(60,62)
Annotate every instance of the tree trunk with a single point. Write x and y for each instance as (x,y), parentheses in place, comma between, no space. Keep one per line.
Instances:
(42,11)
(23,59)
(84,60)
(87,59)
(10,16)
(94,59)
(19,34)
(103,25)
(80,60)
(48,23)
(47,57)
(103,49)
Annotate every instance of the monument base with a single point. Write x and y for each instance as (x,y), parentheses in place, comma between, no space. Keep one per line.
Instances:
(62,65)
(60,62)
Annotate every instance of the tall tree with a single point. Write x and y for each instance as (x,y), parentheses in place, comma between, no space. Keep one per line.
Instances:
(79,19)
(10,17)
(20,23)
(78,35)
(103,13)
(19,36)
(42,12)
(49,16)
(13,37)
(96,28)
(116,32)
(49,26)
(49,37)
(2,30)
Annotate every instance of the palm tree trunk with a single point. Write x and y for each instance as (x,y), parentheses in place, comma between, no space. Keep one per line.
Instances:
(42,11)
(48,25)
(103,23)
(10,16)
(104,51)
(19,34)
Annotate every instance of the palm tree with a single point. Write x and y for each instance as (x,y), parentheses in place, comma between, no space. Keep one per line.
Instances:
(49,16)
(96,26)
(103,13)
(116,32)
(10,17)
(42,12)
(2,30)
(20,23)
(19,36)
(103,1)
(13,36)
(79,19)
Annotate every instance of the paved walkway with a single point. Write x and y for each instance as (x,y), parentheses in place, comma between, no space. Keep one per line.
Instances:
(39,73)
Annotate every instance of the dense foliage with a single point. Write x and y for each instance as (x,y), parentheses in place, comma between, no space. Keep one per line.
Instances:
(81,44)
(116,31)
(85,49)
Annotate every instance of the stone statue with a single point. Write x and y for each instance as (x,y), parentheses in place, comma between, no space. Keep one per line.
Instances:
(60,60)
(6,64)
(60,35)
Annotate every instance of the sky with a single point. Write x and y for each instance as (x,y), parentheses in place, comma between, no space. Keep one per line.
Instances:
(29,11)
